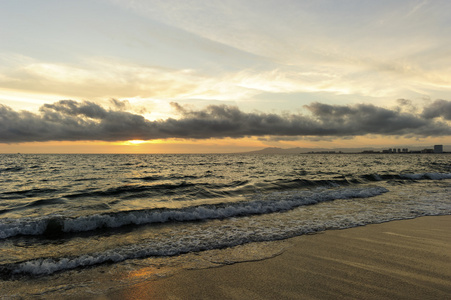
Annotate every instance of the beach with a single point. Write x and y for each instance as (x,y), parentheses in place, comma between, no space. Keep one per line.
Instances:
(408,259)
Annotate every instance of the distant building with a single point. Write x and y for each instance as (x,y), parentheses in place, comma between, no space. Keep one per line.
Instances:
(427,151)
(438,148)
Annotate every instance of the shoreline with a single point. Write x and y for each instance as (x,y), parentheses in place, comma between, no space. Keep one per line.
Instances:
(405,259)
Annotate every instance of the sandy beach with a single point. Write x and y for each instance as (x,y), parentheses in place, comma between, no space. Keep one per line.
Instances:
(409,259)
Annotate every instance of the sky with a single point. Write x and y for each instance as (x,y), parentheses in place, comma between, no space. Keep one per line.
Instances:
(192,76)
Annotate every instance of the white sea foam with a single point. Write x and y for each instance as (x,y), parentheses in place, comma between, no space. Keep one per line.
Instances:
(12,227)
(273,202)
(228,235)
(237,231)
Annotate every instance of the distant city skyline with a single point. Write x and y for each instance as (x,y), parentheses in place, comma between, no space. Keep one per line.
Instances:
(299,150)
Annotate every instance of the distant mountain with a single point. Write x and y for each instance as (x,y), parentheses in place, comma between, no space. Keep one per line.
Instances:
(296,150)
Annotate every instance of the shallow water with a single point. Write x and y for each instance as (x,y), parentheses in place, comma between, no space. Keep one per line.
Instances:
(78,216)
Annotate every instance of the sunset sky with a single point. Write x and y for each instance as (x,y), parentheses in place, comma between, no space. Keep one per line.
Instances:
(192,76)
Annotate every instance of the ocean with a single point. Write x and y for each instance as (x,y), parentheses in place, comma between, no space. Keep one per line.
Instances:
(85,224)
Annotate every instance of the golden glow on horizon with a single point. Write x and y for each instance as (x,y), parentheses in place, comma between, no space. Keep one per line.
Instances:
(135,142)
(226,145)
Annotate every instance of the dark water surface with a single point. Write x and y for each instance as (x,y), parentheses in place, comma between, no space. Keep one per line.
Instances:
(66,215)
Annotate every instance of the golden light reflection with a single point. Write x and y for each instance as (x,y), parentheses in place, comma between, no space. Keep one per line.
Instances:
(141,283)
(143,272)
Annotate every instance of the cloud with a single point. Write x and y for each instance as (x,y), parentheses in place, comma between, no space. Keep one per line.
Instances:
(439,108)
(91,78)
(364,119)
(69,120)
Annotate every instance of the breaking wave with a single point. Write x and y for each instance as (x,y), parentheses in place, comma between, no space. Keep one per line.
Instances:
(262,204)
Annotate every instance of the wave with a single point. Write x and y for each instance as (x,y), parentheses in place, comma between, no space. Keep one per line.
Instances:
(417,176)
(342,180)
(200,190)
(11,169)
(273,202)
(199,240)
(28,193)
(432,176)
(159,177)
(337,181)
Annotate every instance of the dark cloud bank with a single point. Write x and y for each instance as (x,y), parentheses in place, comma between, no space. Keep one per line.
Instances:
(69,120)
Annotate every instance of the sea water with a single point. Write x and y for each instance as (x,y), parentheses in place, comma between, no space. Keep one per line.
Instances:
(85,224)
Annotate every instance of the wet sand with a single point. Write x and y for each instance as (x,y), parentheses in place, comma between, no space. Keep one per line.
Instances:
(409,259)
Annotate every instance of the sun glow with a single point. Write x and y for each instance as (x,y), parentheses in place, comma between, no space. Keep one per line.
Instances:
(135,142)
